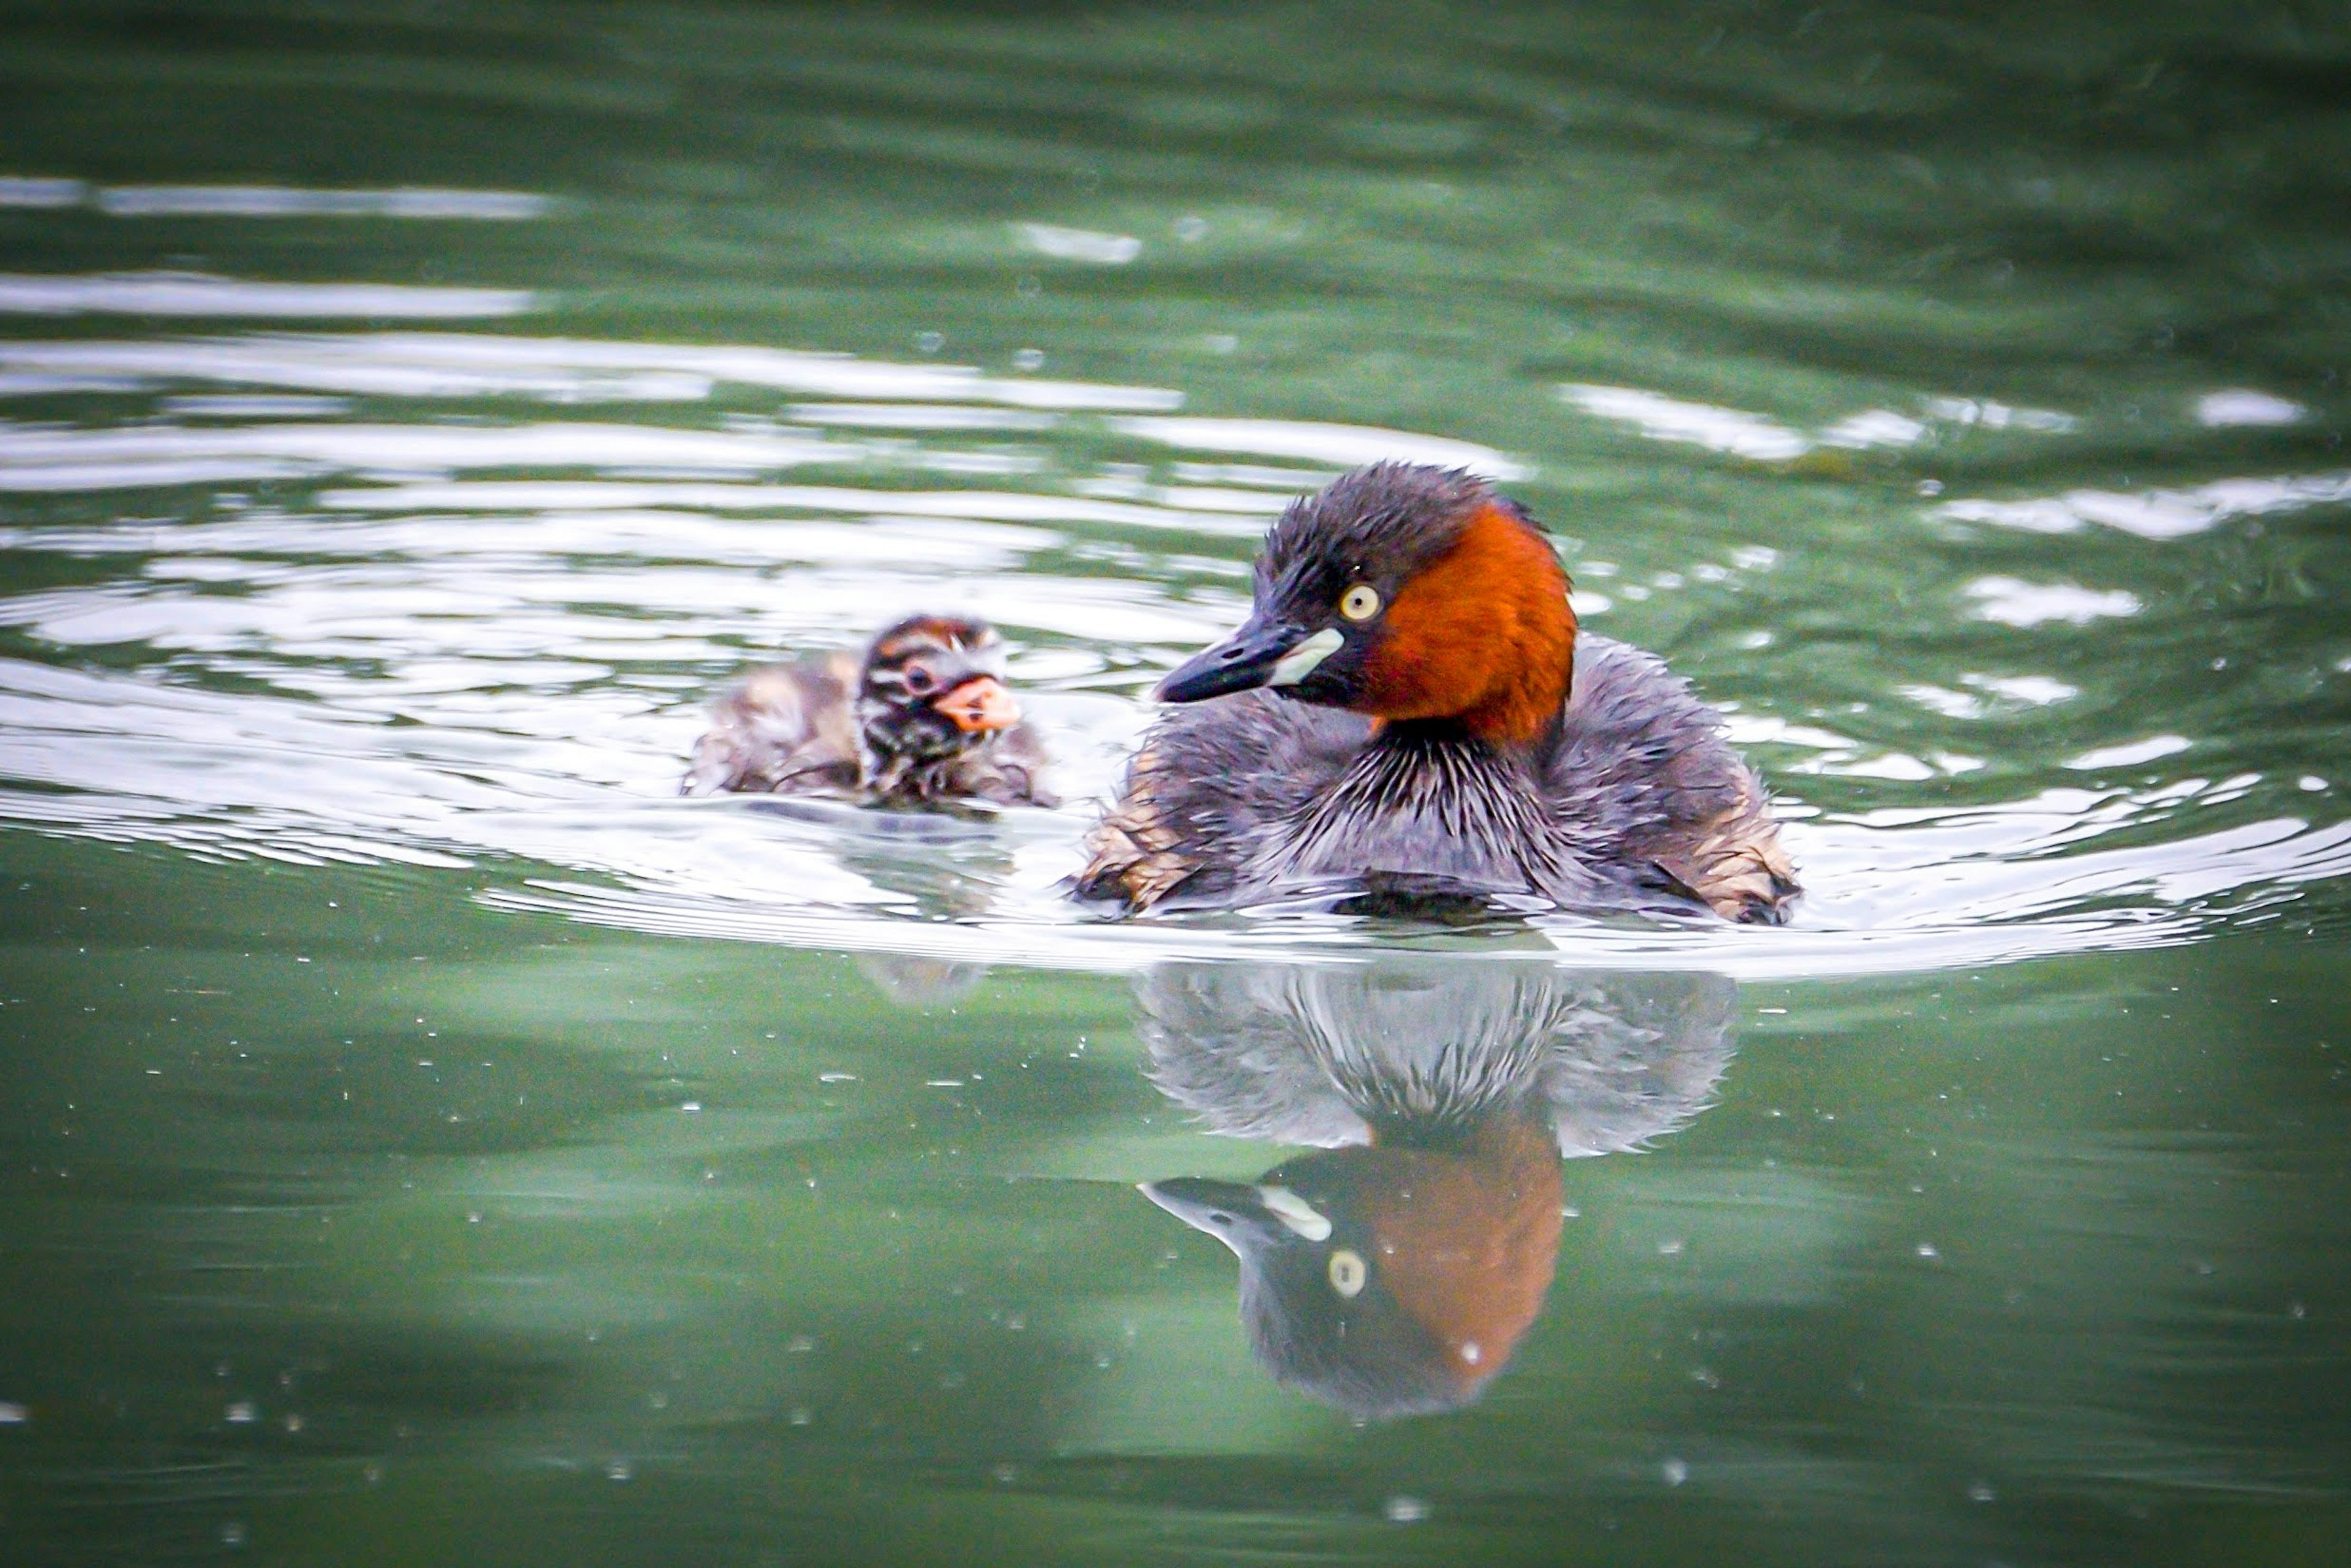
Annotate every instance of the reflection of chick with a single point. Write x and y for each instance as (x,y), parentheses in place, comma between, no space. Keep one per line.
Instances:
(924,717)
(1396,1273)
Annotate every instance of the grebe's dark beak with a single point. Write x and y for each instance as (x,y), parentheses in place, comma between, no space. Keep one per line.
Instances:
(982,703)
(1261,653)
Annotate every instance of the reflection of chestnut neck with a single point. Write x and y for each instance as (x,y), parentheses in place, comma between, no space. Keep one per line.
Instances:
(1466,1221)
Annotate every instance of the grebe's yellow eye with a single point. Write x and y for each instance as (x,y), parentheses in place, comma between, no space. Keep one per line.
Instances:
(1347,1271)
(1360,602)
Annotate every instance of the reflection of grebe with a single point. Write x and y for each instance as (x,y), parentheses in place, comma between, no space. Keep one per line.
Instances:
(1448,734)
(1396,1271)
(923,716)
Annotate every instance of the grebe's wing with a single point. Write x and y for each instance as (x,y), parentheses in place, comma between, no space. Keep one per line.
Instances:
(1211,780)
(1643,763)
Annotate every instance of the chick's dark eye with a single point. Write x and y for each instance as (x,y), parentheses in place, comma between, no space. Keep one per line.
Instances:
(919,679)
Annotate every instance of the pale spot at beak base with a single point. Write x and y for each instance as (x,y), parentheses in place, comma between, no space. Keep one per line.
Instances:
(1299,663)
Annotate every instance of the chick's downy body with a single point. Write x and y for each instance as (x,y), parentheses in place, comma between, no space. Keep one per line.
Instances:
(922,715)
(1409,709)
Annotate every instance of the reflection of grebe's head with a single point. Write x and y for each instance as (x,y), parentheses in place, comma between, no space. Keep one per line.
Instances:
(933,686)
(1407,592)
(1319,1053)
(1390,1281)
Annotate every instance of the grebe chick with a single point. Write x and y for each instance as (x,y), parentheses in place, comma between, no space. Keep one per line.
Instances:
(922,716)
(1408,710)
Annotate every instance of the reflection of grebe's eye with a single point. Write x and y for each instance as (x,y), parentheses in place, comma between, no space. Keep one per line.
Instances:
(1360,602)
(919,679)
(1347,1271)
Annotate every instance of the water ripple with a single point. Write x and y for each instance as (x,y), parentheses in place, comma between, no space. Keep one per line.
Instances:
(452,641)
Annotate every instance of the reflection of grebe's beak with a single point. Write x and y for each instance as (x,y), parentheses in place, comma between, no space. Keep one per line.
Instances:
(1226,1210)
(982,703)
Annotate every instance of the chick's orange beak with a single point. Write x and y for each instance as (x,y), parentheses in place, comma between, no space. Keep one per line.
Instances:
(981,703)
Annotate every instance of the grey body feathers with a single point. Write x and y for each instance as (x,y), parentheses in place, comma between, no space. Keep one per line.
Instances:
(1637,802)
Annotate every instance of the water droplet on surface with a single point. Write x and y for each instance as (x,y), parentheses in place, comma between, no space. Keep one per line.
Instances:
(233,1534)
(243,1413)
(1980,1491)
(1676,1471)
(618,1470)
(1402,1510)
(1028,359)
(1926,1250)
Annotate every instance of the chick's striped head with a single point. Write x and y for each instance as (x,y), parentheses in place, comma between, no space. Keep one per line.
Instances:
(932,687)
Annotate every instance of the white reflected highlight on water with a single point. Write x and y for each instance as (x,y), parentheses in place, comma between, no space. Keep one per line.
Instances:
(2000,695)
(44,458)
(2243,406)
(1080,245)
(195,294)
(2039,691)
(1662,418)
(1292,481)
(563,369)
(37,384)
(235,405)
(1944,701)
(287,202)
(2012,601)
(1342,446)
(919,416)
(2130,754)
(2156,514)
(1000,506)
(1983,413)
(1875,427)
(17,191)
(1761,439)
(366,366)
